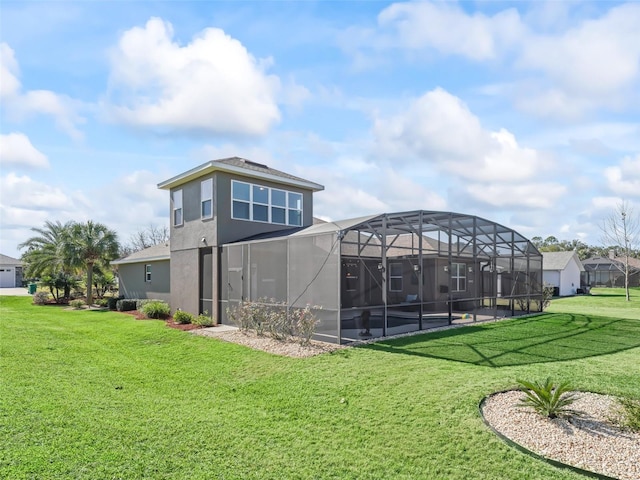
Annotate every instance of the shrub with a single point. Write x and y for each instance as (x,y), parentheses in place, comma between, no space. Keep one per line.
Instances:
(102,302)
(76,304)
(182,317)
(304,323)
(547,399)
(112,302)
(266,316)
(40,298)
(204,320)
(141,302)
(630,413)
(156,309)
(125,305)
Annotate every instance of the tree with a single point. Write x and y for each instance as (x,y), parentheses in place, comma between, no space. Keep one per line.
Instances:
(45,251)
(621,229)
(88,244)
(145,238)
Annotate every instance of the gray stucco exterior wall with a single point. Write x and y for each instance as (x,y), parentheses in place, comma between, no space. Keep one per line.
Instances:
(133,282)
(196,235)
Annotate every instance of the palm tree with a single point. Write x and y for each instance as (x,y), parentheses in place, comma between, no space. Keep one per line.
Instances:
(45,251)
(90,243)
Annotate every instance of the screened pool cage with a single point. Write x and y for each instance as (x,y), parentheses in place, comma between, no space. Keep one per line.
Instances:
(388,274)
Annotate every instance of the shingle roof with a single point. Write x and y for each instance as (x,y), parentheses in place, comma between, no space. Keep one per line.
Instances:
(559,260)
(153,253)
(7,260)
(240,166)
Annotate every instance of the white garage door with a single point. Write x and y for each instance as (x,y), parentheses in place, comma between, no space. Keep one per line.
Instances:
(7,277)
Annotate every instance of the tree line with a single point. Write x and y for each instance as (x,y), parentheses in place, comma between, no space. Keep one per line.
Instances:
(584,251)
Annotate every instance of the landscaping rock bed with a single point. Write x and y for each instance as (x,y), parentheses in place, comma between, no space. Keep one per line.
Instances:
(592,442)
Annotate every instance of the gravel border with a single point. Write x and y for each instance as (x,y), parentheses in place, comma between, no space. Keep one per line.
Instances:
(591,442)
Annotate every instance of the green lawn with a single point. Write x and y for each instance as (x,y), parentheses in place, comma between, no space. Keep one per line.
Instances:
(601,301)
(100,395)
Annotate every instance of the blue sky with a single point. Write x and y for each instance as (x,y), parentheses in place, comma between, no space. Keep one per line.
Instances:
(527,114)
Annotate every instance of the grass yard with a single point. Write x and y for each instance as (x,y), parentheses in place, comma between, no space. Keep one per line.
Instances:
(99,395)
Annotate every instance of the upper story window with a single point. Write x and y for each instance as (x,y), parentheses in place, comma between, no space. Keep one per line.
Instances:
(263,204)
(459,277)
(206,198)
(147,273)
(177,208)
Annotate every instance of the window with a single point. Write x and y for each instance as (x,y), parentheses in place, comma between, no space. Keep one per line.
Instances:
(395,277)
(206,198)
(241,195)
(459,277)
(260,203)
(295,209)
(279,206)
(177,208)
(147,273)
(263,204)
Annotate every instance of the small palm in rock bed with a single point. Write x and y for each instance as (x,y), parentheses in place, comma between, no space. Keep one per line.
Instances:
(548,399)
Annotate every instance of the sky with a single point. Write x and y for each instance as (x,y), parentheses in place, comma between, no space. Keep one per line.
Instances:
(523,113)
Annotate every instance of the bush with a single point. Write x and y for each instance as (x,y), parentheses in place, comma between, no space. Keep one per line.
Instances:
(204,320)
(266,316)
(126,305)
(182,317)
(76,304)
(156,309)
(102,302)
(547,399)
(141,302)
(40,298)
(112,302)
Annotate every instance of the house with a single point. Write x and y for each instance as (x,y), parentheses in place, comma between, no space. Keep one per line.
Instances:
(609,272)
(562,270)
(10,272)
(242,231)
(145,274)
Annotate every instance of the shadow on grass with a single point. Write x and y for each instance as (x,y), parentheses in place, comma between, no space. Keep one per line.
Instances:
(552,337)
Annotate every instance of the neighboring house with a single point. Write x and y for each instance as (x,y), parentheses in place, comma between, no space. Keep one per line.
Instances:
(242,231)
(609,272)
(145,274)
(10,272)
(562,270)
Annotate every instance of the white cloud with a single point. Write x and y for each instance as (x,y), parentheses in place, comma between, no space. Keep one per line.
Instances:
(212,84)
(439,130)
(22,193)
(532,195)
(446,28)
(17,149)
(22,105)
(598,57)
(8,71)
(624,179)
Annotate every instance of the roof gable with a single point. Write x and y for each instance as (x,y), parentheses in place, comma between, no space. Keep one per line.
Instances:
(559,260)
(7,260)
(153,253)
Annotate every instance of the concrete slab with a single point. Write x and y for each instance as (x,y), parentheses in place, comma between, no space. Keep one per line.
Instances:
(22,292)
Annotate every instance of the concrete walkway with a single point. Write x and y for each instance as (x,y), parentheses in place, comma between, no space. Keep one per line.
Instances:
(23,292)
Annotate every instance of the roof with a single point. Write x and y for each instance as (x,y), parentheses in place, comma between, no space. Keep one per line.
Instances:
(151,254)
(243,167)
(490,238)
(7,260)
(559,260)
(606,263)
